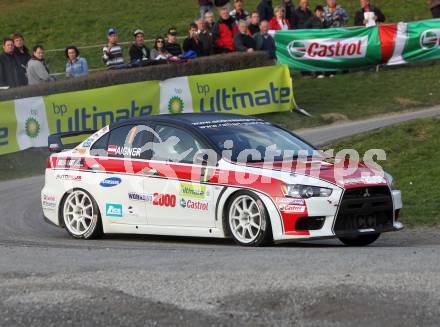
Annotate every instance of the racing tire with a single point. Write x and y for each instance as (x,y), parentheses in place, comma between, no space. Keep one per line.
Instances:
(361,240)
(81,216)
(247,220)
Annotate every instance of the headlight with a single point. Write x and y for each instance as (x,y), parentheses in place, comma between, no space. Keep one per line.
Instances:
(390,181)
(306,191)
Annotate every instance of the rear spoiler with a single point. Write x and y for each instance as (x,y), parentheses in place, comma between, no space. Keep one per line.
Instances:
(54,140)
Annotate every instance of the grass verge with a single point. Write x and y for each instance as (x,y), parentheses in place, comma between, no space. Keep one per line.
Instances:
(412,159)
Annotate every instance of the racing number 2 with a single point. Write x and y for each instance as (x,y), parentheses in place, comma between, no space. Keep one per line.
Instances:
(164,200)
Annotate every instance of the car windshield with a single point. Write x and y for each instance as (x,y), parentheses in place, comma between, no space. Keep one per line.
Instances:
(256,141)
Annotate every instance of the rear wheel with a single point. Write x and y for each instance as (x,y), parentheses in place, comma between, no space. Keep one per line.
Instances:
(81,215)
(247,220)
(361,240)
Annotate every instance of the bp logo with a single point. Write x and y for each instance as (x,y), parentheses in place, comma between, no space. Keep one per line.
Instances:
(183,203)
(175,105)
(32,127)
(297,49)
(430,39)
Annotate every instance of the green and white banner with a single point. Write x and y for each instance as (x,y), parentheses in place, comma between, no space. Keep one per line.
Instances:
(26,123)
(348,48)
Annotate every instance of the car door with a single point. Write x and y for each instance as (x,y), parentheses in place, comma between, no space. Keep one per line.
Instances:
(120,156)
(180,198)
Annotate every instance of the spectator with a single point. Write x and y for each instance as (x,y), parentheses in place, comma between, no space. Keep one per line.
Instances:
(9,69)
(37,71)
(335,15)
(22,55)
(289,8)
(112,55)
(303,14)
(75,66)
(209,21)
(223,3)
(243,42)
(435,8)
(139,53)
(224,32)
(317,21)
(205,37)
(159,52)
(205,6)
(239,13)
(254,25)
(193,42)
(279,21)
(368,15)
(171,45)
(264,41)
(265,10)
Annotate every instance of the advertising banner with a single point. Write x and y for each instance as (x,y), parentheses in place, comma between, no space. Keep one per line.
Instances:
(28,122)
(423,41)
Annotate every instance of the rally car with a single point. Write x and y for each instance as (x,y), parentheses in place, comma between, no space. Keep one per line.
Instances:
(213,175)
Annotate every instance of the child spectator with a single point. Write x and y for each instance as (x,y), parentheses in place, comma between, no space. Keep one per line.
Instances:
(75,65)
(22,55)
(204,7)
(112,55)
(159,52)
(192,42)
(279,21)
(37,71)
(239,13)
(171,45)
(224,32)
(317,21)
(335,15)
(243,42)
(264,41)
(303,14)
(139,53)
(8,65)
(254,26)
(265,10)
(361,16)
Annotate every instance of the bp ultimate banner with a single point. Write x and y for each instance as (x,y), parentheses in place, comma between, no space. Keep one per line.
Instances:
(26,123)
(348,48)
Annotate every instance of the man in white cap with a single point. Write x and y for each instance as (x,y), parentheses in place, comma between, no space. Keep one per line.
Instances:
(139,53)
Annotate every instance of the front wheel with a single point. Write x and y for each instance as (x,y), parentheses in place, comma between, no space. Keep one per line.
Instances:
(81,215)
(248,221)
(361,240)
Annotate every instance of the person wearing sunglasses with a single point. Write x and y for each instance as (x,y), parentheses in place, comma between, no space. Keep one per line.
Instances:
(159,52)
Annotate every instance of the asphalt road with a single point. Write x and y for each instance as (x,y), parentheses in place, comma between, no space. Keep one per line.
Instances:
(49,279)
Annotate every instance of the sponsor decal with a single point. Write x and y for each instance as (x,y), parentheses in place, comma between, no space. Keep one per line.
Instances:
(113,210)
(69,178)
(131,210)
(70,163)
(88,143)
(192,204)
(325,49)
(290,201)
(49,202)
(123,151)
(195,191)
(176,105)
(111,182)
(366,180)
(140,197)
(164,200)
(430,39)
(32,127)
(292,208)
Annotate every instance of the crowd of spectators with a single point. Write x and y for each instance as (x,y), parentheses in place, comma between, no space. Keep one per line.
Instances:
(236,29)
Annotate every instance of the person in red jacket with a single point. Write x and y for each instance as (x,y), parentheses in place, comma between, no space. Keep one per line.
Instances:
(279,21)
(223,32)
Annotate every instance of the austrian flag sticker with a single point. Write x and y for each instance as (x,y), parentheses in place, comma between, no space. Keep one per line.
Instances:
(111,150)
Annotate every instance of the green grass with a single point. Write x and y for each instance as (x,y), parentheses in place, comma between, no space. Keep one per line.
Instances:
(413,158)
(56,24)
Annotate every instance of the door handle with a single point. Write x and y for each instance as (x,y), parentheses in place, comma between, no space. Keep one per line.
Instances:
(150,172)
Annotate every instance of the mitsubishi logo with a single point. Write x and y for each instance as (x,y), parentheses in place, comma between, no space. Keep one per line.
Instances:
(367,194)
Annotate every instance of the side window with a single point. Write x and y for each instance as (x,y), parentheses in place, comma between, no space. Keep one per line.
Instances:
(99,148)
(174,144)
(129,142)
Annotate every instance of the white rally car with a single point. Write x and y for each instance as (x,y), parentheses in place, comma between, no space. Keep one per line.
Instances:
(213,175)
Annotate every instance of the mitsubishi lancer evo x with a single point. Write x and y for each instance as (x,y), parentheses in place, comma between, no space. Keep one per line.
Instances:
(213,175)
